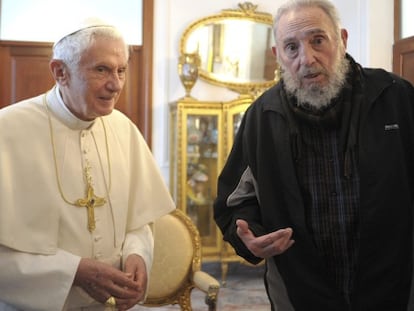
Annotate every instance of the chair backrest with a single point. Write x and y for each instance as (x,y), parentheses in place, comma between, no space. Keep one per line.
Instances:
(177,254)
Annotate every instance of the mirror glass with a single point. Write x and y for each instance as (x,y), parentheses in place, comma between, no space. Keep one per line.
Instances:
(235,48)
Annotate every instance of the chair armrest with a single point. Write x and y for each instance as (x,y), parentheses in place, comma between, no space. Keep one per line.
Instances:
(209,285)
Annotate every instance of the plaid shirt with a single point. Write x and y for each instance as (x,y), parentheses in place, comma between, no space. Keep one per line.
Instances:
(331,202)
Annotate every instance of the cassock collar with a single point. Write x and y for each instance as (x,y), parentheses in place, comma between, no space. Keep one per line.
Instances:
(62,112)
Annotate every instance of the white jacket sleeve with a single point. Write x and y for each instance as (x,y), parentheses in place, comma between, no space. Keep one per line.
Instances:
(35,282)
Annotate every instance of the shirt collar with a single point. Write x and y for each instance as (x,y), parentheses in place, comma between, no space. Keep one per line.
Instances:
(61,111)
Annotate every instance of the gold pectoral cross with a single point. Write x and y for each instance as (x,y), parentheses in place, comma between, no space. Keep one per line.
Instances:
(90,202)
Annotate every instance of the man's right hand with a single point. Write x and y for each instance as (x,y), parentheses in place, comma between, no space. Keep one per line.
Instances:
(265,246)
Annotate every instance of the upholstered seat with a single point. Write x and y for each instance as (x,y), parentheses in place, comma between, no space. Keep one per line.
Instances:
(176,269)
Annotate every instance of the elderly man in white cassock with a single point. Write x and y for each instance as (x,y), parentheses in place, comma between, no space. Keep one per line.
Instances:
(79,187)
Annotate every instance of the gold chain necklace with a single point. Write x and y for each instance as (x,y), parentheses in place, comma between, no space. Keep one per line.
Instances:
(91,200)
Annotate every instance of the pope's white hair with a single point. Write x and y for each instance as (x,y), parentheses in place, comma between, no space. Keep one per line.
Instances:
(70,48)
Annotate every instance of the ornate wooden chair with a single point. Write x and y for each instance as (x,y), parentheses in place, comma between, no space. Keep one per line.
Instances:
(176,269)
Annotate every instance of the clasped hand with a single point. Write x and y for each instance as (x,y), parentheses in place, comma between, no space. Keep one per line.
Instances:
(267,245)
(102,281)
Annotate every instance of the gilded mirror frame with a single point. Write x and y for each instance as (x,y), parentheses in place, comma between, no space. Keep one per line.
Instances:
(246,12)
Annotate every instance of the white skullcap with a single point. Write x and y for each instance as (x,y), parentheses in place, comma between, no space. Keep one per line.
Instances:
(90,22)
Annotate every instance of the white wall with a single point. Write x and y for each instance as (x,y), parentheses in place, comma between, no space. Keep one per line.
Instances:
(407,21)
(20,20)
(369,24)
(379,34)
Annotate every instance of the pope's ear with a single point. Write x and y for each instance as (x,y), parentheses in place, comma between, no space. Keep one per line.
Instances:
(274,50)
(59,71)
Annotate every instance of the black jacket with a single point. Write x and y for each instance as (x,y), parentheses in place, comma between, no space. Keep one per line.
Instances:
(386,169)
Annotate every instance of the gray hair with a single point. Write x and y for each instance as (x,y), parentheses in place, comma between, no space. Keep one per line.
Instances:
(70,48)
(325,5)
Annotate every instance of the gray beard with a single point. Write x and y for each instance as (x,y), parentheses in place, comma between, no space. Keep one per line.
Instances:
(315,96)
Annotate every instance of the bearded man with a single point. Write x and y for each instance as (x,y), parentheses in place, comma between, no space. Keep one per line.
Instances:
(320,180)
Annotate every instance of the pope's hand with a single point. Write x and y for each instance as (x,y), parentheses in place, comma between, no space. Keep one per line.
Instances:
(136,269)
(265,246)
(102,281)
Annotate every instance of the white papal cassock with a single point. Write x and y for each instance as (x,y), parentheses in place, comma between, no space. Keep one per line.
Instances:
(42,238)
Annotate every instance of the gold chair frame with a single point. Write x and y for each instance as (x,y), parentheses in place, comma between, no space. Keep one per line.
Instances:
(167,231)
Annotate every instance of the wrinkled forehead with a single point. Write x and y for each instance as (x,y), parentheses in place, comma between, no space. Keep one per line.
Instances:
(303,22)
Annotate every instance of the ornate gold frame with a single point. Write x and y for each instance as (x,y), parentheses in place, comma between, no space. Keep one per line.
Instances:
(246,11)
(196,278)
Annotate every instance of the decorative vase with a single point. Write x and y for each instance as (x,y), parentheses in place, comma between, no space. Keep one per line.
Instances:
(188,65)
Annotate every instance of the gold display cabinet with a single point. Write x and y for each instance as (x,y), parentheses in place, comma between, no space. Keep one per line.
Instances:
(201,137)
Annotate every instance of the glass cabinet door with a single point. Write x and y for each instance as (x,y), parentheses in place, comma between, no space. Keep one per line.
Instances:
(234,117)
(201,172)
(202,134)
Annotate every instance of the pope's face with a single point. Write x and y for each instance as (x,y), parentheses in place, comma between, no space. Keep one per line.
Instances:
(308,49)
(93,89)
